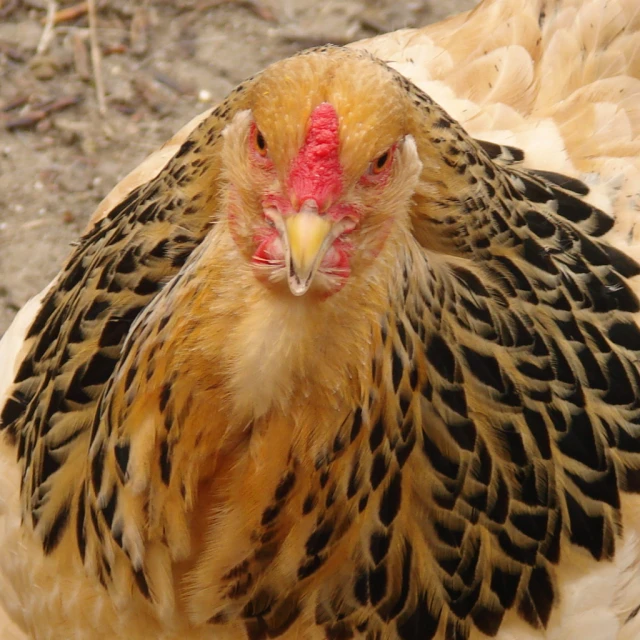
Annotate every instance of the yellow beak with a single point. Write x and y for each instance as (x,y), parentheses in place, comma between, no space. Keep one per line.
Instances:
(307,239)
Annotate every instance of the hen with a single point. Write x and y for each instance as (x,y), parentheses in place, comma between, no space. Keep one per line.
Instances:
(354,356)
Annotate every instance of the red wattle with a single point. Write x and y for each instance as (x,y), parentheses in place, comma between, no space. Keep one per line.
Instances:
(269,248)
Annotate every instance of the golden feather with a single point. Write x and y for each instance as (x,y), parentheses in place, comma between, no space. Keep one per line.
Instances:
(447,447)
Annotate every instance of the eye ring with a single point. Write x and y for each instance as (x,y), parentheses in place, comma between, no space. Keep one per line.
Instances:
(259,142)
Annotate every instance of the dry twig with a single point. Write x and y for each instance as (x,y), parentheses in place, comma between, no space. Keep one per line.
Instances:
(26,121)
(15,103)
(40,112)
(96,58)
(71,13)
(47,32)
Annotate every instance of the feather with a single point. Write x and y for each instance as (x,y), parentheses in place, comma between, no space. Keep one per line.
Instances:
(435,437)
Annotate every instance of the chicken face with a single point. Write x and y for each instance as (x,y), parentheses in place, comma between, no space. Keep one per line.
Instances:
(310,200)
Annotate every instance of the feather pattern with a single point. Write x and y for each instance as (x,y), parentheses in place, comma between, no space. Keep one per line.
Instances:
(448,447)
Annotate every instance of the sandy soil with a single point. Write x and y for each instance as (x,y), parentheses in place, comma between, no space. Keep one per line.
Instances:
(163,62)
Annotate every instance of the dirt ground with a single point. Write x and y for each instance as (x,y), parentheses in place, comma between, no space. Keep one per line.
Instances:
(163,61)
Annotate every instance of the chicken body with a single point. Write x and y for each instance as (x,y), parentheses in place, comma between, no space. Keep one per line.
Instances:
(331,364)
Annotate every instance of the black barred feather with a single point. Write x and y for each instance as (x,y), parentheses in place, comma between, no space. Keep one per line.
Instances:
(497,426)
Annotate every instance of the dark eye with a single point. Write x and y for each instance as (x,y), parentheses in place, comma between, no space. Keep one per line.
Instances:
(260,142)
(381,162)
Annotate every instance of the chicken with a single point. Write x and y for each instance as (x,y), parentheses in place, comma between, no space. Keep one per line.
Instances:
(355,355)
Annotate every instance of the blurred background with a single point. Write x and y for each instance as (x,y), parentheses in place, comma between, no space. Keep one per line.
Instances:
(68,135)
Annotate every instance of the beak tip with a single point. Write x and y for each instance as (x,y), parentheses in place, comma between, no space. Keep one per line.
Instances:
(297,286)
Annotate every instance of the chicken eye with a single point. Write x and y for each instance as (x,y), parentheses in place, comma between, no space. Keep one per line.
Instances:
(260,142)
(381,162)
